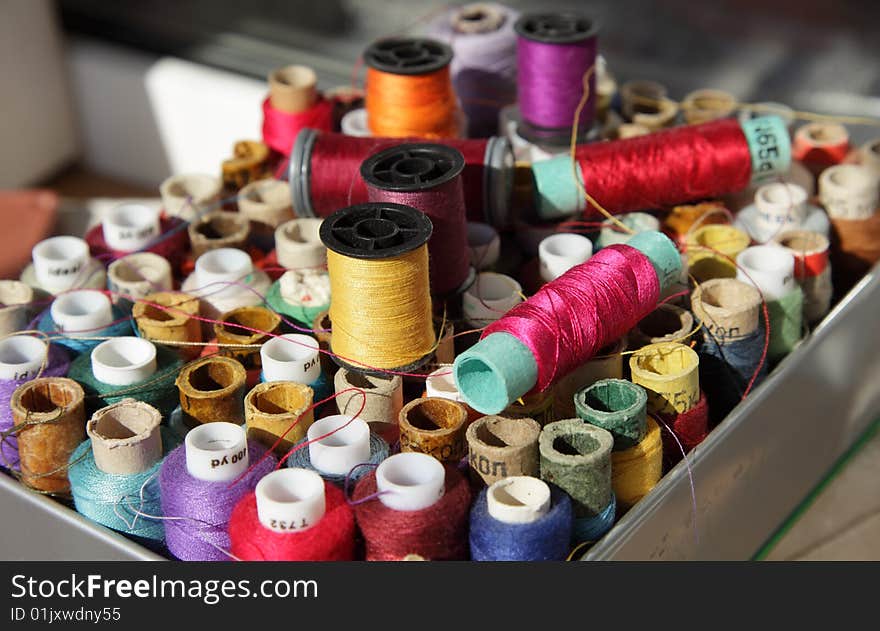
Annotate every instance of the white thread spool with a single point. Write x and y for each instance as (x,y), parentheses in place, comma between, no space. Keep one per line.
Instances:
(410,481)
(291,357)
(298,244)
(215,269)
(769,268)
(441,383)
(347,446)
(354,123)
(123,361)
(125,437)
(484,245)
(15,298)
(83,312)
(490,297)
(849,191)
(520,499)
(290,500)
(558,253)
(216,452)
(190,194)
(781,206)
(130,227)
(59,262)
(21,357)
(139,274)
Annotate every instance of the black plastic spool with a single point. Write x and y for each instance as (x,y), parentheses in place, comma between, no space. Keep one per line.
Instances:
(408,55)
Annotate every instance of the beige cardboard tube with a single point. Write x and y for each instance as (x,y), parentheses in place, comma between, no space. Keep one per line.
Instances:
(174,324)
(500,447)
(293,88)
(272,408)
(125,437)
(218,229)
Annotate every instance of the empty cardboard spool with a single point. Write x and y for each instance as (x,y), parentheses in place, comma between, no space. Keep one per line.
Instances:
(212,389)
(277,408)
(434,426)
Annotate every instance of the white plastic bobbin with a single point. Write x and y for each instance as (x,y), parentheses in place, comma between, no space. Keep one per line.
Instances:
(21,357)
(216,452)
(558,253)
(441,383)
(410,481)
(519,499)
(489,297)
(83,312)
(130,227)
(781,206)
(767,267)
(354,123)
(59,261)
(290,500)
(348,444)
(849,191)
(123,361)
(484,245)
(139,274)
(291,357)
(216,269)
(298,244)
(188,195)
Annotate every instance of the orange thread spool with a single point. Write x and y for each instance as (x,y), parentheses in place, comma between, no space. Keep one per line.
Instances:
(409,90)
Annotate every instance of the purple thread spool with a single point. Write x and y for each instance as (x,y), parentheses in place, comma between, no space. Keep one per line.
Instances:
(554,51)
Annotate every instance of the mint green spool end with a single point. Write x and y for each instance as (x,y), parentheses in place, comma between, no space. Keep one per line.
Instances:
(662,253)
(302,314)
(493,373)
(556,191)
(769,145)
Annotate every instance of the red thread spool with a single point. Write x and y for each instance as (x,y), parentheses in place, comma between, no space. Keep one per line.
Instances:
(281,128)
(820,145)
(690,428)
(437,533)
(172,245)
(331,539)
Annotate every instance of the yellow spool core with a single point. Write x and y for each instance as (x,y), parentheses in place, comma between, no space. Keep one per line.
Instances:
(669,372)
(712,251)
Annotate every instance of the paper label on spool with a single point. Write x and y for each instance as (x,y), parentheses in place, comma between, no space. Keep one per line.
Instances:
(769,145)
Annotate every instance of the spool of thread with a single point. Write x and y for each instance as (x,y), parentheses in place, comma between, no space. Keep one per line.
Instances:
(293,104)
(618,406)
(666,323)
(15,299)
(266,202)
(382,399)
(778,207)
(428,177)
(724,154)
(727,308)
(669,372)
(199,485)
(218,229)
(558,253)
(435,427)
(576,457)
(781,110)
(641,96)
(49,419)
(489,297)
(409,90)
(298,244)
(690,429)
(500,447)
(819,145)
(80,315)
(300,457)
(849,191)
(170,321)
(812,271)
(610,233)
(250,162)
(500,532)
(378,265)
(518,352)
(189,195)
(702,106)
(556,53)
(607,364)
(130,227)
(638,469)
(225,279)
(484,245)
(60,263)
(712,250)
(281,520)
(291,357)
(338,443)
(138,275)
(212,389)
(278,408)
(227,331)
(300,295)
(423,509)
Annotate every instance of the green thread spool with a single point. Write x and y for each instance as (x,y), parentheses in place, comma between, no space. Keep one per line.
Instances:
(786,323)
(618,406)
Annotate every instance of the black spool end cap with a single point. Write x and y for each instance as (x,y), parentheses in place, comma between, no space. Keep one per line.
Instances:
(377,230)
(556,28)
(408,55)
(412,167)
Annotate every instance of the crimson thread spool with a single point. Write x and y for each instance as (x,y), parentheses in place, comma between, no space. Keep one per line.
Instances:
(293,103)
(325,173)
(428,178)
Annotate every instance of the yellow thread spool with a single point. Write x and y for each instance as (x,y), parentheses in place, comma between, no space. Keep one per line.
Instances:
(712,251)
(635,471)
(669,372)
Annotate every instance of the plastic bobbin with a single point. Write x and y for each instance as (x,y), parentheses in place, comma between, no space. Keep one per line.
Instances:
(125,437)
(218,270)
(59,262)
(347,445)
(558,253)
(189,195)
(290,500)
(173,324)
(666,323)
(728,308)
(15,299)
(130,227)
(83,312)
(407,55)
(216,452)
(123,361)
(769,268)
(849,191)
(298,244)
(500,447)
(435,427)
(264,320)
(277,408)
(702,106)
(266,202)
(139,274)
(484,245)
(218,229)
(212,389)
(641,96)
(518,499)
(410,481)
(490,297)
(22,357)
(669,373)
(780,206)
(293,88)
(354,123)
(291,357)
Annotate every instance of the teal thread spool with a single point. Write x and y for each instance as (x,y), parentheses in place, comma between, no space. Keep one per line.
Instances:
(618,406)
